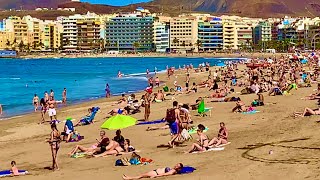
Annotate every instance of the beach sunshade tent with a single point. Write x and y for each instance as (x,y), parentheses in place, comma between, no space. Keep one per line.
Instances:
(202,110)
(118,122)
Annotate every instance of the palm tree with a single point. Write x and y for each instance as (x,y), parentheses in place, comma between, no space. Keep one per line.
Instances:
(21,46)
(183,44)
(176,41)
(136,45)
(8,43)
(198,43)
(28,47)
(107,45)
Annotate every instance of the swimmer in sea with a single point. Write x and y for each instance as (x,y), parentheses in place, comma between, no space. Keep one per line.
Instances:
(119,74)
(35,102)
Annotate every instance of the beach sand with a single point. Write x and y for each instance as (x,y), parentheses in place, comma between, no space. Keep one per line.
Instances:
(294,142)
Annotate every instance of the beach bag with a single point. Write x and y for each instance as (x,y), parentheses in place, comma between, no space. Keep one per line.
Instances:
(171,115)
(166,89)
(123,162)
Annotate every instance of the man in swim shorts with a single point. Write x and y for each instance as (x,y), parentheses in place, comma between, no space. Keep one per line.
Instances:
(52,111)
(64,96)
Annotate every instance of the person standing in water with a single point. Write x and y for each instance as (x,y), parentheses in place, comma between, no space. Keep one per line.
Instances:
(0,109)
(147,72)
(51,93)
(119,74)
(35,102)
(108,92)
(64,96)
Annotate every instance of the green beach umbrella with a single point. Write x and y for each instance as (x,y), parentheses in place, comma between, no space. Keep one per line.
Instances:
(118,122)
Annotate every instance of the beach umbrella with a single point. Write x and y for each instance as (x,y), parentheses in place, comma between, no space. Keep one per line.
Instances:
(119,122)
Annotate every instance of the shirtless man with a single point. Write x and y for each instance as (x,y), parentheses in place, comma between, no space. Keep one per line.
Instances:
(35,102)
(147,102)
(159,97)
(175,125)
(64,96)
(51,93)
(52,111)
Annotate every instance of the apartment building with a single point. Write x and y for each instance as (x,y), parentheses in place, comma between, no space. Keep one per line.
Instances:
(6,40)
(130,32)
(210,34)
(243,35)
(19,27)
(229,35)
(88,34)
(262,32)
(50,36)
(70,32)
(34,27)
(183,33)
(162,36)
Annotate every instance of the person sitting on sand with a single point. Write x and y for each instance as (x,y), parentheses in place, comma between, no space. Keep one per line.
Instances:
(193,89)
(307,112)
(95,147)
(119,138)
(159,97)
(203,144)
(80,122)
(240,106)
(14,170)
(222,136)
(160,172)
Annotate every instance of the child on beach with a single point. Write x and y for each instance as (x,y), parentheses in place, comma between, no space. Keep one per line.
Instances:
(14,169)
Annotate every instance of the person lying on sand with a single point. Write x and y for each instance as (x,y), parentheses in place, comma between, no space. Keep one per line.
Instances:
(307,112)
(158,128)
(113,148)
(117,111)
(95,147)
(225,99)
(222,137)
(160,172)
(203,143)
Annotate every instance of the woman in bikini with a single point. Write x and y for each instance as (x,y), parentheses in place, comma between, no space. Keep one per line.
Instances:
(307,112)
(160,172)
(222,136)
(54,143)
(203,144)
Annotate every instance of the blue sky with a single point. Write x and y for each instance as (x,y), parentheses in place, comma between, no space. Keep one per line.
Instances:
(114,2)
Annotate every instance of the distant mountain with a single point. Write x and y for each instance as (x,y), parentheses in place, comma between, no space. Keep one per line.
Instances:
(30,4)
(251,8)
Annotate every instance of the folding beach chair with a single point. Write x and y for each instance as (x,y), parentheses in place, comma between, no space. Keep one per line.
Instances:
(89,120)
(202,110)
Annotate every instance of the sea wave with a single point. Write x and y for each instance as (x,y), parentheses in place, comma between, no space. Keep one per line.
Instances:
(10,78)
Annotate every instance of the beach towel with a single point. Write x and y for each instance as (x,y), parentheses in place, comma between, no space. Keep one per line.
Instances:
(251,112)
(79,155)
(186,170)
(152,122)
(194,130)
(77,139)
(210,149)
(8,173)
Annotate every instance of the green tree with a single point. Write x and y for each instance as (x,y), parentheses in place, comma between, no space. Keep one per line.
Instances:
(183,44)
(28,47)
(21,46)
(107,45)
(8,43)
(136,45)
(176,41)
(198,44)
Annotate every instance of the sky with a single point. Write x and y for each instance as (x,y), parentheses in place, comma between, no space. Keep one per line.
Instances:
(114,2)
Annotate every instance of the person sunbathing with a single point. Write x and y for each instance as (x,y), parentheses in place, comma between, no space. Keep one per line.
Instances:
(113,148)
(222,136)
(160,172)
(122,111)
(80,122)
(95,147)
(158,97)
(203,144)
(225,99)
(307,112)
(240,106)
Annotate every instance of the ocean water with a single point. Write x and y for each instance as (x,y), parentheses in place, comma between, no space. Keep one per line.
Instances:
(84,78)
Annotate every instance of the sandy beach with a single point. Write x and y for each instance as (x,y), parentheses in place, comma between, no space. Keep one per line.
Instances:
(293,141)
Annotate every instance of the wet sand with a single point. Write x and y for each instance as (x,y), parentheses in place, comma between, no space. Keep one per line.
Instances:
(294,141)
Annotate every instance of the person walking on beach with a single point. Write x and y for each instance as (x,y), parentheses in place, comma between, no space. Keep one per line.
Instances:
(108,92)
(51,93)
(173,118)
(0,109)
(44,109)
(147,103)
(46,96)
(187,82)
(35,102)
(64,96)
(52,111)
(54,142)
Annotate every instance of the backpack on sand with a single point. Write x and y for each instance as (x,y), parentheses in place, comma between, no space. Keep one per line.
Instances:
(171,115)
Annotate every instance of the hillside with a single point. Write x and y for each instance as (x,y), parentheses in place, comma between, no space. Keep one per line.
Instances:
(251,8)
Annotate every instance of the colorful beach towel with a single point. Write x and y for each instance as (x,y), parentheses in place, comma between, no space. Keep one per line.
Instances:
(251,112)
(210,149)
(187,169)
(79,155)
(194,130)
(152,122)
(8,173)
